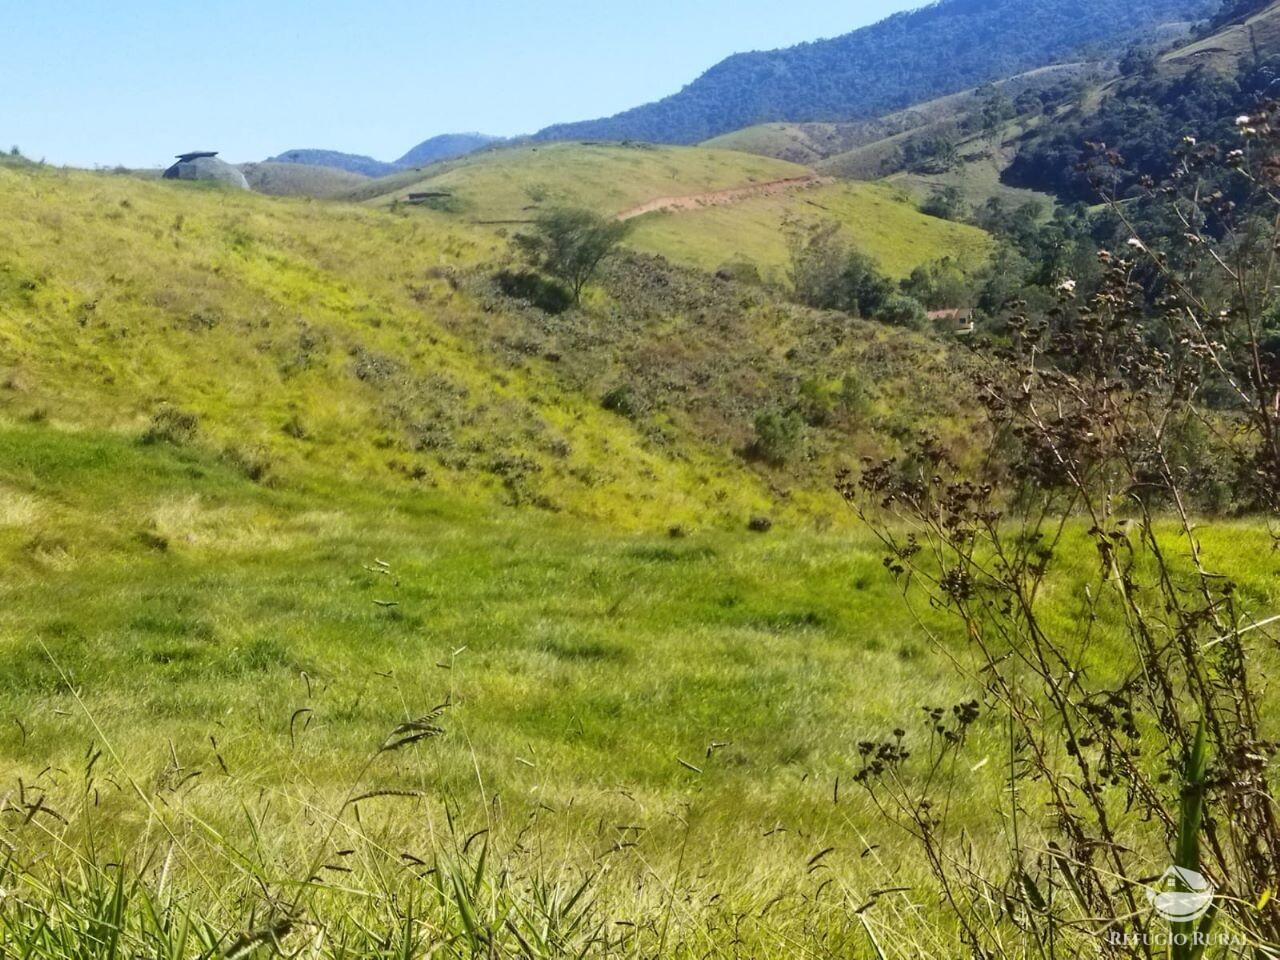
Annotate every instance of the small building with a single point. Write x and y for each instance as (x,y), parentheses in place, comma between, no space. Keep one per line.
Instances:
(204,166)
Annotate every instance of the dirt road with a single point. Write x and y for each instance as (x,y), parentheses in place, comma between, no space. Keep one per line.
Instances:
(719,198)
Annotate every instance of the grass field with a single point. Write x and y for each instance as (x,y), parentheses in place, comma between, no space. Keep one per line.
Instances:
(878,220)
(162,609)
(511,186)
(513,182)
(277,476)
(198,667)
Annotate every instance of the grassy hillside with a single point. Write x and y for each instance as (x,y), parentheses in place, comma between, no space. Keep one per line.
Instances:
(299,334)
(878,220)
(259,463)
(812,143)
(511,183)
(315,337)
(510,186)
(300,180)
(1230,48)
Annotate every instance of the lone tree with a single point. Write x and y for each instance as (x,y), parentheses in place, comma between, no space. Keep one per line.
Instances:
(570,243)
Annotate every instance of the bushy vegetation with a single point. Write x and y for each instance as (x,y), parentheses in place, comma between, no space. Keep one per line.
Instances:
(1126,412)
(828,274)
(570,244)
(1136,130)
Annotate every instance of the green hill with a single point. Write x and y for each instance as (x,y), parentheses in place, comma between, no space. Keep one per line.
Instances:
(822,144)
(1238,42)
(513,182)
(508,187)
(299,179)
(1195,89)
(314,339)
(875,218)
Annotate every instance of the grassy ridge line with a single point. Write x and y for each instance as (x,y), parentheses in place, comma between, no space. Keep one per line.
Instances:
(310,337)
(512,185)
(507,184)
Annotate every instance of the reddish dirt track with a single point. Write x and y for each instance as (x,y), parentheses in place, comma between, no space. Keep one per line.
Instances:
(719,198)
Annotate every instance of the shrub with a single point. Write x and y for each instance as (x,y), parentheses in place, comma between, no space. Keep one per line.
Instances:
(547,295)
(623,401)
(778,437)
(899,310)
(569,244)
(171,425)
(739,271)
(826,273)
(946,203)
(818,400)
(854,395)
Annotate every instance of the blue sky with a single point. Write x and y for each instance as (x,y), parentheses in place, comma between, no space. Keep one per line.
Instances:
(90,82)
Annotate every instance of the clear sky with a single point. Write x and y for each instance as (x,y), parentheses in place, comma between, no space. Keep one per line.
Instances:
(133,82)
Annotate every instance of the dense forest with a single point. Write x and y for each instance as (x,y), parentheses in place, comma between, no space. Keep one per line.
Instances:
(1140,126)
(906,59)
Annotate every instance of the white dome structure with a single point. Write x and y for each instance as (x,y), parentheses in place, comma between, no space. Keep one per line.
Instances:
(206,167)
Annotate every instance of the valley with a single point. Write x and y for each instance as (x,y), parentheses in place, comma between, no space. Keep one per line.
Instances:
(826,512)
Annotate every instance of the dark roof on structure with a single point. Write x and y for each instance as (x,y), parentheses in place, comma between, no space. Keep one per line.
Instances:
(206,167)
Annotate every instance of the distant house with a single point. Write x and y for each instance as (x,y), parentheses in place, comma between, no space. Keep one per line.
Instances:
(960,319)
(204,165)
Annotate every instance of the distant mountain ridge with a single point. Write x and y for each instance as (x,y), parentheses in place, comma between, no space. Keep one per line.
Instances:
(447,146)
(908,58)
(351,162)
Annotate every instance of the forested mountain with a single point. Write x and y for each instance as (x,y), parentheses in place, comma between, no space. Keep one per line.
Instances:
(1140,121)
(444,147)
(908,58)
(351,162)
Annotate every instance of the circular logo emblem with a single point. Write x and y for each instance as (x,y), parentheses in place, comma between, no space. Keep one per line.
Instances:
(1181,895)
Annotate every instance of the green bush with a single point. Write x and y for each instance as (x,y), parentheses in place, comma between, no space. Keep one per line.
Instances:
(946,203)
(171,425)
(623,401)
(828,274)
(899,310)
(547,295)
(778,438)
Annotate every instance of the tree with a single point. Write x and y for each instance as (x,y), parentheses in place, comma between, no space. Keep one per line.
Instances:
(826,273)
(901,310)
(996,109)
(939,285)
(945,202)
(570,244)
